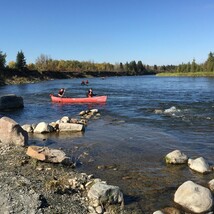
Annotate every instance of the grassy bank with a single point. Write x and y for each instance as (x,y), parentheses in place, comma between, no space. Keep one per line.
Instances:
(187,74)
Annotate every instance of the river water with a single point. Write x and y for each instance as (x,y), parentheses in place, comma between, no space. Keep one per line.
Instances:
(127,145)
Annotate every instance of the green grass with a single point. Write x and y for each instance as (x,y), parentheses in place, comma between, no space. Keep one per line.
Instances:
(187,74)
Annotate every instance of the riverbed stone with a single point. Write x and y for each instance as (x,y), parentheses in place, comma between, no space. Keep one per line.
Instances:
(47,154)
(28,128)
(43,127)
(199,165)
(71,127)
(65,119)
(11,101)
(211,185)
(158,212)
(176,157)
(194,197)
(105,194)
(171,110)
(12,133)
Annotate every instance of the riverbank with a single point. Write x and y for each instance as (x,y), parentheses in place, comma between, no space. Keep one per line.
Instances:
(187,74)
(31,186)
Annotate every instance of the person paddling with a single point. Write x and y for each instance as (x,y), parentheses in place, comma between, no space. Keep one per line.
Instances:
(90,93)
(61,92)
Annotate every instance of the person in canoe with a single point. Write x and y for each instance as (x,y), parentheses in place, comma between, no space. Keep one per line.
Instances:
(86,82)
(90,93)
(83,82)
(61,92)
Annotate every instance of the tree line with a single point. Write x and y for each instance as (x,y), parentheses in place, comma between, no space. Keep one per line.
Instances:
(45,63)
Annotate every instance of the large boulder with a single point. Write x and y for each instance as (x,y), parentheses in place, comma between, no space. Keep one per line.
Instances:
(194,197)
(12,133)
(11,101)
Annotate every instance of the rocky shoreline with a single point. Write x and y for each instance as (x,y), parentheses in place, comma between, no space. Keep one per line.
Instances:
(32,183)
(29,185)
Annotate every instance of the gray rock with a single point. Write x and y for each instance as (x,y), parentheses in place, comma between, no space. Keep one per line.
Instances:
(12,133)
(176,157)
(104,193)
(71,127)
(11,101)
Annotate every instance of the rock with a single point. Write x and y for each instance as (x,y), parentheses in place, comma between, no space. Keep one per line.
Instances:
(105,194)
(12,133)
(99,210)
(211,185)
(94,111)
(28,128)
(82,113)
(43,127)
(199,165)
(73,120)
(11,101)
(158,212)
(158,111)
(171,210)
(65,119)
(171,110)
(176,157)
(194,197)
(48,155)
(71,127)
(54,125)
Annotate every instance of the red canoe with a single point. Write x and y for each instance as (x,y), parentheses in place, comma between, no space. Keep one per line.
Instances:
(95,99)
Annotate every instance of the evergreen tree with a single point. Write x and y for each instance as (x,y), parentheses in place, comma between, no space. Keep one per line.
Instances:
(133,67)
(20,61)
(140,67)
(193,66)
(209,64)
(2,60)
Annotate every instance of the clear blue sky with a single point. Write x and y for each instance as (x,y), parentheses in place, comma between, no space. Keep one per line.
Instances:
(157,32)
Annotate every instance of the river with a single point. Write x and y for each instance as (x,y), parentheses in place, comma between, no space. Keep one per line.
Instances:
(127,145)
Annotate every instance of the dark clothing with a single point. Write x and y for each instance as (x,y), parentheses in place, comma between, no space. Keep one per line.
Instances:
(90,93)
(61,92)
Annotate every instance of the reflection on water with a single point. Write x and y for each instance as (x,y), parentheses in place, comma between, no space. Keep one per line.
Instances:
(126,147)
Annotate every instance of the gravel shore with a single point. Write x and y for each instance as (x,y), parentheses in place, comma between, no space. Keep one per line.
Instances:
(26,185)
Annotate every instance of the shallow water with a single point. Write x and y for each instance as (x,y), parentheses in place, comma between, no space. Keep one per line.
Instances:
(126,146)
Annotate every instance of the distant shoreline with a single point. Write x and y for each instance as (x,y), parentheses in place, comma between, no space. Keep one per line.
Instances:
(29,76)
(187,74)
